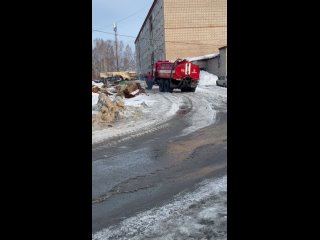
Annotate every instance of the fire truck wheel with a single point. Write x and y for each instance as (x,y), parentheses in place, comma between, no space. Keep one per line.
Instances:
(166,86)
(161,85)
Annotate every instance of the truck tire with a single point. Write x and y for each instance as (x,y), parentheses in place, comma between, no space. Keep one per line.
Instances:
(166,86)
(161,85)
(192,89)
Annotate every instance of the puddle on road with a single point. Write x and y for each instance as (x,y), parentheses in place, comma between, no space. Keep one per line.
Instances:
(182,149)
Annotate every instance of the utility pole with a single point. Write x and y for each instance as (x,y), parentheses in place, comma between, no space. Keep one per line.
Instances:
(115,33)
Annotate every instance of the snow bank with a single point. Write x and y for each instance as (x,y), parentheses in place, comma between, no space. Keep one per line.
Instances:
(207,78)
(143,114)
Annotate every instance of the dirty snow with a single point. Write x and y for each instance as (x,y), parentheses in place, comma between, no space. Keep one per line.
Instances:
(97,84)
(144,113)
(200,214)
(203,115)
(139,100)
(150,112)
(207,98)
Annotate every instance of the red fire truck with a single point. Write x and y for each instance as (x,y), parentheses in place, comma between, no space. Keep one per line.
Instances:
(180,74)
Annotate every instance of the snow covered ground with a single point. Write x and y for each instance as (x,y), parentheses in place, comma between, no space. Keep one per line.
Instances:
(199,214)
(195,215)
(150,112)
(144,113)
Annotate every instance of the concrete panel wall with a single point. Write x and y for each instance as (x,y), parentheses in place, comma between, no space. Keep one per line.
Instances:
(213,66)
(150,45)
(223,62)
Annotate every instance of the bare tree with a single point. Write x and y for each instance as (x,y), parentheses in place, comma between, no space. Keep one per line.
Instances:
(104,57)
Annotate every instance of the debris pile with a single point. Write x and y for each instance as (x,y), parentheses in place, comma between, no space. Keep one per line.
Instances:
(129,90)
(95,89)
(107,101)
(109,111)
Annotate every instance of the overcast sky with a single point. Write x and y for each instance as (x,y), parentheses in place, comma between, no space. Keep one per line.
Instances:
(128,14)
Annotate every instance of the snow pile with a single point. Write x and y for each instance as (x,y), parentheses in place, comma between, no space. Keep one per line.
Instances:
(208,56)
(95,98)
(196,215)
(97,84)
(143,113)
(207,78)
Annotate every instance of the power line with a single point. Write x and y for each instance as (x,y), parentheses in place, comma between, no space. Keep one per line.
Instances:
(95,30)
(132,14)
(125,17)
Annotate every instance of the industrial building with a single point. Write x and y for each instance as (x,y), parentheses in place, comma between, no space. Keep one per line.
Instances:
(179,29)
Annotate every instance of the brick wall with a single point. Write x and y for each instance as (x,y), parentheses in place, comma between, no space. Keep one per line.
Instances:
(202,23)
(179,29)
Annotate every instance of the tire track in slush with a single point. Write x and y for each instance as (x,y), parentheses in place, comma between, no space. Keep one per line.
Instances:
(199,109)
(186,107)
(182,107)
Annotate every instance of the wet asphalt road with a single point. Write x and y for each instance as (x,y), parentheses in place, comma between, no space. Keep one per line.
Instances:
(149,170)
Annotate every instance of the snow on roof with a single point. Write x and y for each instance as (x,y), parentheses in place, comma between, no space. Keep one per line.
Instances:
(208,56)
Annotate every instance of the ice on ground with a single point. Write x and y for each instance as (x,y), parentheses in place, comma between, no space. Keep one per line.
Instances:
(201,214)
(204,115)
